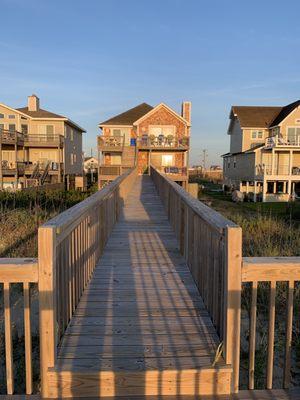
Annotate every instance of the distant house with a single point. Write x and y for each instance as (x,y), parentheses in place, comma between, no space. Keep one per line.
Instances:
(90,164)
(146,135)
(38,146)
(264,157)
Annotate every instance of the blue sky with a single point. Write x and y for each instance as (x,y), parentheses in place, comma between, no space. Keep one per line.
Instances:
(92,59)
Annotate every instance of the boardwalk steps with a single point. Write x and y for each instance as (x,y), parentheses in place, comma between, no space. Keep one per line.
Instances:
(140,327)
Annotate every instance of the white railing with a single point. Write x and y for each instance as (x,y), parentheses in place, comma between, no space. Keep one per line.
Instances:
(282,141)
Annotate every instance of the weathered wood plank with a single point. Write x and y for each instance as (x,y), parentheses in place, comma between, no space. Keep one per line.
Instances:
(15,270)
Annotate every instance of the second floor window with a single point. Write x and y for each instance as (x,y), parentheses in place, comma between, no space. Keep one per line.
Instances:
(24,129)
(257,135)
(1,115)
(11,127)
(116,132)
(234,162)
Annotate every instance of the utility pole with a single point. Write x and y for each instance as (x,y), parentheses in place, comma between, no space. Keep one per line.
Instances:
(204,159)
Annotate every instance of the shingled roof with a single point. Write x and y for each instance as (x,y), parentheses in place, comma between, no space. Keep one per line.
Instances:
(285,111)
(130,116)
(256,116)
(40,113)
(262,117)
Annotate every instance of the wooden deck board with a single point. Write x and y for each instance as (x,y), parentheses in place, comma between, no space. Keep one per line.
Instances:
(141,311)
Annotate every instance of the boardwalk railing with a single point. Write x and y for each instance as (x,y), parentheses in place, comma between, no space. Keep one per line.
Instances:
(69,247)
(272,270)
(15,271)
(212,247)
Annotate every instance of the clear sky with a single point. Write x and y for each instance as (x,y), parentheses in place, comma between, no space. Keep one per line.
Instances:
(93,59)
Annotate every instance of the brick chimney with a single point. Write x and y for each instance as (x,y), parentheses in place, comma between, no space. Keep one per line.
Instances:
(186,111)
(33,103)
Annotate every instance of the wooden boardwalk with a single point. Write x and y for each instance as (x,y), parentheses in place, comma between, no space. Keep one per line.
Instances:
(141,313)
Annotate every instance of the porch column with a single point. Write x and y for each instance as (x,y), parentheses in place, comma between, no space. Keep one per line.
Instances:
(247,187)
(272,162)
(284,186)
(291,162)
(59,165)
(264,190)
(274,187)
(254,196)
(241,186)
(289,190)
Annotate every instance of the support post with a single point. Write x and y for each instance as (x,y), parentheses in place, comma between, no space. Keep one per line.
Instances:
(254,196)
(233,288)
(47,303)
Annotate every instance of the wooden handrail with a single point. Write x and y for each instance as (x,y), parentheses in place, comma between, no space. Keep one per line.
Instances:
(25,271)
(69,247)
(273,270)
(212,247)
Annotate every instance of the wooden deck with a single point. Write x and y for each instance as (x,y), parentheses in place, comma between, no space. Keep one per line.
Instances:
(140,326)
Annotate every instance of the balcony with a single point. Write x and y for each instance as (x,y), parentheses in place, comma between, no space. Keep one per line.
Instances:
(283,141)
(12,168)
(112,170)
(44,140)
(174,173)
(278,170)
(11,137)
(111,143)
(52,167)
(163,142)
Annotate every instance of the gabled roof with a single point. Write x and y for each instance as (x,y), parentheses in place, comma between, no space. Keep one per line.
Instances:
(48,114)
(262,117)
(255,116)
(285,111)
(40,113)
(130,116)
(154,109)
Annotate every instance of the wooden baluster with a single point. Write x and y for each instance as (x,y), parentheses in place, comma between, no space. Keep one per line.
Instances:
(288,339)
(271,335)
(252,335)
(27,331)
(8,340)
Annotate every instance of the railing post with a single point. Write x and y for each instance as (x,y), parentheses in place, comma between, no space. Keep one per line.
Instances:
(47,302)
(232,306)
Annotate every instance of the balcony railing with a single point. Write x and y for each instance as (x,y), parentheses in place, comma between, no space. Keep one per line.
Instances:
(11,137)
(282,141)
(114,142)
(162,141)
(12,166)
(281,169)
(44,139)
(172,170)
(42,165)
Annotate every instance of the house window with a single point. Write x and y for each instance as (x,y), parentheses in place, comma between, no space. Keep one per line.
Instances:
(164,130)
(1,115)
(72,135)
(24,129)
(293,134)
(257,135)
(1,127)
(167,160)
(11,116)
(72,158)
(116,159)
(228,163)
(11,127)
(234,162)
(116,132)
